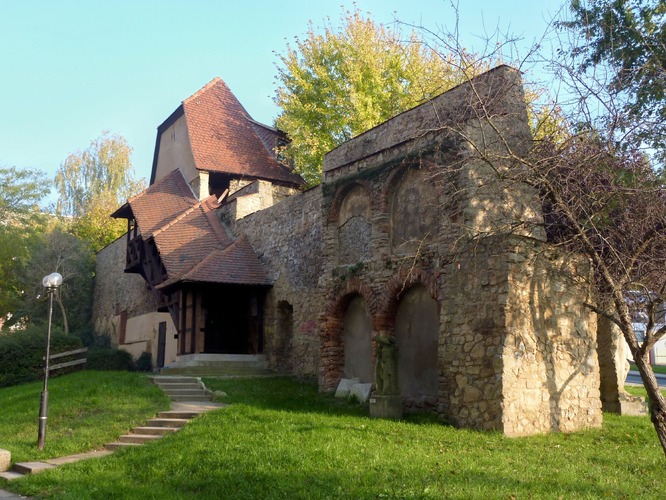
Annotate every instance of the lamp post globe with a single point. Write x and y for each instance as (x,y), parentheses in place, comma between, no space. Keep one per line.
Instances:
(51,282)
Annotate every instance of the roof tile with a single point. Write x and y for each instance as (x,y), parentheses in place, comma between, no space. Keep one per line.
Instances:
(224,139)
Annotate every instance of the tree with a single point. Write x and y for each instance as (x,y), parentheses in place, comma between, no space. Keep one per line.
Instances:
(337,84)
(20,223)
(62,252)
(92,183)
(627,38)
(601,198)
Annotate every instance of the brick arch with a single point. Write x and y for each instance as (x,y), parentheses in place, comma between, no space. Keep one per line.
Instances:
(331,351)
(338,198)
(397,286)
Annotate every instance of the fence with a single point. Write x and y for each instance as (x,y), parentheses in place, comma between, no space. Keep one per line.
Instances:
(78,354)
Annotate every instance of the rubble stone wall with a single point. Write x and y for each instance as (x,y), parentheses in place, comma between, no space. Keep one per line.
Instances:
(287,238)
(123,301)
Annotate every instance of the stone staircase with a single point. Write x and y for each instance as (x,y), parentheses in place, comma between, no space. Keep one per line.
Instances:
(167,422)
(188,391)
(189,399)
(182,388)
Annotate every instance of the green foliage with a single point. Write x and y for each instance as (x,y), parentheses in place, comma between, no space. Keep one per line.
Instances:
(628,38)
(283,439)
(92,184)
(109,359)
(20,223)
(144,362)
(86,410)
(60,251)
(22,353)
(20,191)
(337,84)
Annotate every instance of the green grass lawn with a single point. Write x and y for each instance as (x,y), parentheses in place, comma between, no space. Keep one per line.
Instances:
(86,410)
(281,439)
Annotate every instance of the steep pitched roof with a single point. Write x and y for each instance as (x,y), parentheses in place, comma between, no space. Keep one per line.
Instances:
(191,241)
(237,264)
(224,138)
(159,204)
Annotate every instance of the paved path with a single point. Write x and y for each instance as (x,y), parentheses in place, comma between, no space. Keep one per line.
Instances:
(5,495)
(183,406)
(635,378)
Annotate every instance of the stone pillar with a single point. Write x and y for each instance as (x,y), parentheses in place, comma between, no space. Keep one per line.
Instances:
(613,370)
(5,460)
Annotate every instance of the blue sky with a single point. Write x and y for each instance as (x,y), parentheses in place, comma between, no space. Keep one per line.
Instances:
(72,69)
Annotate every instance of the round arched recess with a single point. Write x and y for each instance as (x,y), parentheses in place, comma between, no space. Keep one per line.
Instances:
(413,211)
(357,340)
(417,334)
(354,226)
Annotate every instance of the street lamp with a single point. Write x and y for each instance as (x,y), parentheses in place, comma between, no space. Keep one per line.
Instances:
(51,283)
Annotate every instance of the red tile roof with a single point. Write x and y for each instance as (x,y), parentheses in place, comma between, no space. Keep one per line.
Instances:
(159,204)
(224,139)
(191,241)
(237,264)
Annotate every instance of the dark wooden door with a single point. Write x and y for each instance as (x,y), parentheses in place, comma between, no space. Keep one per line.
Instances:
(161,343)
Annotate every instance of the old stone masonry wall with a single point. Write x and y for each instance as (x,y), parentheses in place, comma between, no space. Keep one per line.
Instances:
(287,238)
(423,241)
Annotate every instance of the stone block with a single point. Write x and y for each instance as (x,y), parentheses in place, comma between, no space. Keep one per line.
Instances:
(361,392)
(344,387)
(626,404)
(5,460)
(386,407)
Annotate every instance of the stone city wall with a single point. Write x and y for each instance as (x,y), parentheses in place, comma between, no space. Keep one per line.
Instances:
(287,239)
(122,301)
(420,232)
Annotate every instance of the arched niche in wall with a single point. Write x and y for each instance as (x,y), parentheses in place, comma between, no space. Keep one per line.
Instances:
(357,341)
(354,226)
(413,209)
(417,334)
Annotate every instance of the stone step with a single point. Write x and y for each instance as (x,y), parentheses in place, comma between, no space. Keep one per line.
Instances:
(154,430)
(180,414)
(160,379)
(167,422)
(201,397)
(117,445)
(222,371)
(138,438)
(10,475)
(31,467)
(185,392)
(194,386)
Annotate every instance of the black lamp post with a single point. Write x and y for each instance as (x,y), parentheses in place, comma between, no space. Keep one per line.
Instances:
(51,283)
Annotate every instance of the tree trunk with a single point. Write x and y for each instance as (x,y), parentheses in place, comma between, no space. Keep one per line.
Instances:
(655,397)
(65,325)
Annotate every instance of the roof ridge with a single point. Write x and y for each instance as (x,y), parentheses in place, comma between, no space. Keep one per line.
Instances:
(203,89)
(177,219)
(208,209)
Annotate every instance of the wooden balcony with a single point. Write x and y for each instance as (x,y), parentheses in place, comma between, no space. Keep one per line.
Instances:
(135,255)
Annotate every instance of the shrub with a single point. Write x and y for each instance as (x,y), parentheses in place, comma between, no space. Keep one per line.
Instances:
(108,358)
(144,362)
(22,353)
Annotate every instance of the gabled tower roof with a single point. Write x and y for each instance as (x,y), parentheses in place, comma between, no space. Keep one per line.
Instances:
(225,139)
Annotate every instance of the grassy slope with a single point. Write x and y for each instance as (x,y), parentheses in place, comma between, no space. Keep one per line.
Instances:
(283,440)
(86,410)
